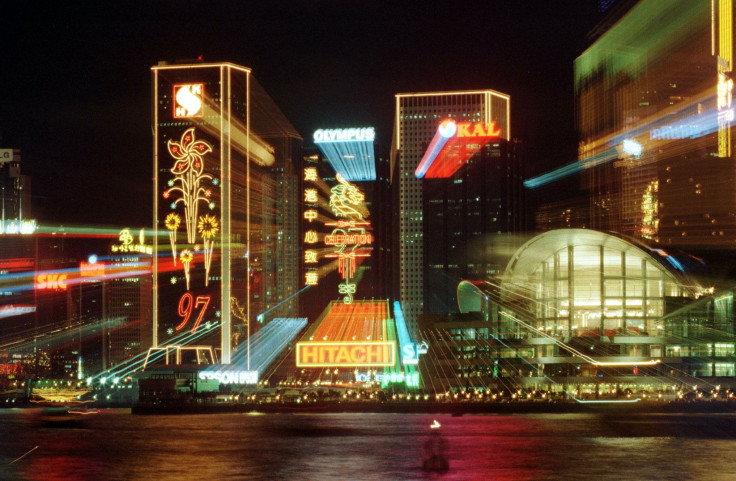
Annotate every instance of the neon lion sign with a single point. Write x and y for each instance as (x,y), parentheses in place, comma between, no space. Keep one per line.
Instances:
(348,234)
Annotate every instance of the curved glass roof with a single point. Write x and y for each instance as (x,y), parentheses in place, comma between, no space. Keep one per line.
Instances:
(530,256)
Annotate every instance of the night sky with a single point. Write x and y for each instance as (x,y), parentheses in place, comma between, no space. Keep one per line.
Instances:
(75,84)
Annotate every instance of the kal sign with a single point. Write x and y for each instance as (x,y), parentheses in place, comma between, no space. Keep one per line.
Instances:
(359,354)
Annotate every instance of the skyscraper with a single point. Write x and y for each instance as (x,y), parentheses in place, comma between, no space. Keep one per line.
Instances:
(655,114)
(225,206)
(470,220)
(418,116)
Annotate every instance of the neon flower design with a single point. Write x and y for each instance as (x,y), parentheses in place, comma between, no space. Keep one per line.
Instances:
(188,173)
(208,228)
(172,222)
(186,258)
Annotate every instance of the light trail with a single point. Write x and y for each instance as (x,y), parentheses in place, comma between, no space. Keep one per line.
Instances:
(267,344)
(260,317)
(61,336)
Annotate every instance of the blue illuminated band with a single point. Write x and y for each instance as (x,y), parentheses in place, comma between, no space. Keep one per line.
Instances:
(446,130)
(349,151)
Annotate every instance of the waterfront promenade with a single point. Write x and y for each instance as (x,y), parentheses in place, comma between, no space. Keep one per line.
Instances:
(433,407)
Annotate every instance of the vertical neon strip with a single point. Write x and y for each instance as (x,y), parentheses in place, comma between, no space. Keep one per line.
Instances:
(713,27)
(247,206)
(154,338)
(401,329)
(726,32)
(398,125)
(225,178)
(725,65)
(508,118)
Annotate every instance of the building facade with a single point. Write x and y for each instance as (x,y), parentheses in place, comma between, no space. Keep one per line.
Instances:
(654,115)
(418,116)
(225,206)
(471,221)
(581,311)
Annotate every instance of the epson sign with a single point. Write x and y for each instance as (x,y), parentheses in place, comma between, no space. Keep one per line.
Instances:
(230,377)
(361,134)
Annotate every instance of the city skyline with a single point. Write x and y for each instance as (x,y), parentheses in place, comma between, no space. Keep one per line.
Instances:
(372,240)
(84,99)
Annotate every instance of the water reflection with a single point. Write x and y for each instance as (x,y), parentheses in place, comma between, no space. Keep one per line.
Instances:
(113,445)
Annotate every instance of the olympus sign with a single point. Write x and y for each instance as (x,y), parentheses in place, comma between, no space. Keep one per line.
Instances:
(364,134)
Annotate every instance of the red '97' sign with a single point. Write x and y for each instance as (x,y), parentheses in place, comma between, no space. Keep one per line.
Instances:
(187,304)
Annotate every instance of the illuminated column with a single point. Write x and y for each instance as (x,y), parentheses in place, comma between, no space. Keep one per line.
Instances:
(202,156)
(725,81)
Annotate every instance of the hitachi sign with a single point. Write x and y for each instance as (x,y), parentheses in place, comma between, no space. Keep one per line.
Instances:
(316,354)
(363,134)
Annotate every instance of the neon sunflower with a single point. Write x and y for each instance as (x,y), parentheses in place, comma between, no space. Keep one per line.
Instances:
(208,227)
(172,223)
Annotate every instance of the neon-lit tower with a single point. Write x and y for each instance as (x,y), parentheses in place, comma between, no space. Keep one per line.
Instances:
(418,117)
(225,220)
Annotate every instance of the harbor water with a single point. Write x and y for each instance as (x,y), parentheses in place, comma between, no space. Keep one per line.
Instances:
(115,445)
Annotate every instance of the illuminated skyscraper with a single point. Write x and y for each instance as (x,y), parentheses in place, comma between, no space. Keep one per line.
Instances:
(418,116)
(655,114)
(225,206)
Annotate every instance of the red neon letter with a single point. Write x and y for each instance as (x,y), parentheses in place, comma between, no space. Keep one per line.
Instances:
(185,312)
(200,300)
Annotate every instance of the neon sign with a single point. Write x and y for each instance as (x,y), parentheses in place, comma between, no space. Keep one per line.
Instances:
(349,151)
(189,187)
(453,145)
(188,98)
(51,281)
(311,200)
(186,305)
(230,377)
(348,234)
(338,239)
(189,173)
(386,378)
(15,310)
(87,269)
(365,134)
(127,243)
(410,352)
(322,354)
